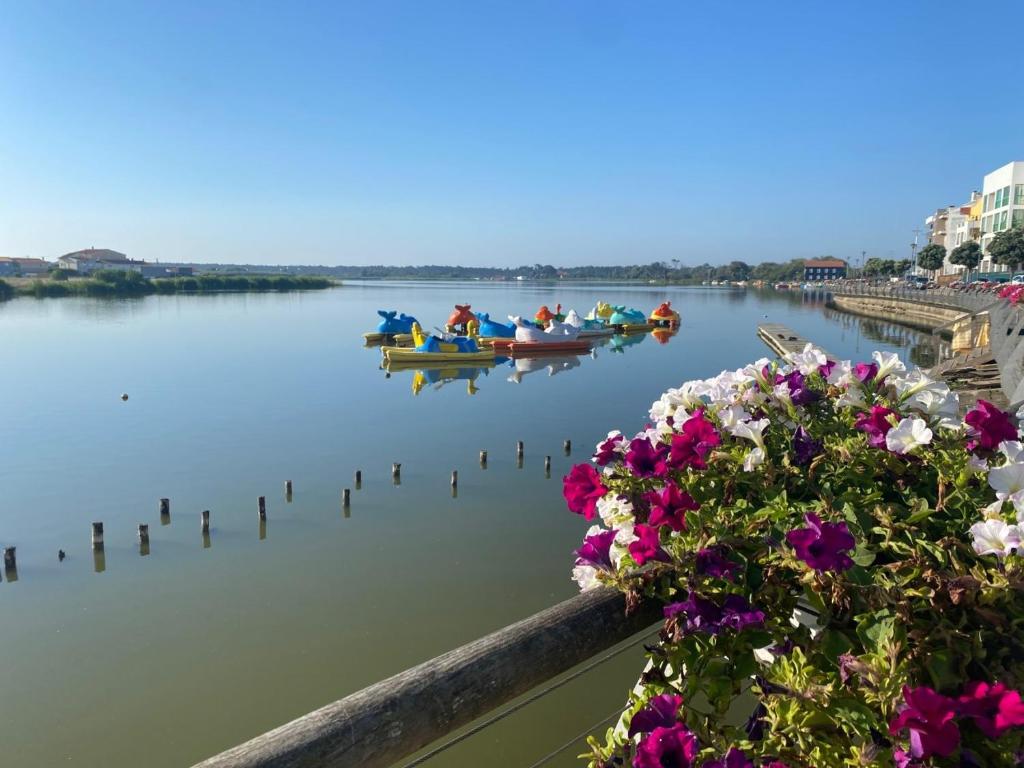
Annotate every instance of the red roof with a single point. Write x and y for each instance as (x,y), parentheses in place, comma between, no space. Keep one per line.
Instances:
(834,263)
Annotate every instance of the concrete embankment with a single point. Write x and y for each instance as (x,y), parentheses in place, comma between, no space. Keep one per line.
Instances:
(917,314)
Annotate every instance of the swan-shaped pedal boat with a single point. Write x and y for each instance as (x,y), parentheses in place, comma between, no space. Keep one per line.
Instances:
(437,349)
(664,316)
(589,329)
(392,327)
(557,337)
(600,313)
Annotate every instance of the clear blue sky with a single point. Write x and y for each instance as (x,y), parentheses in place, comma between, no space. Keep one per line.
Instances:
(497,133)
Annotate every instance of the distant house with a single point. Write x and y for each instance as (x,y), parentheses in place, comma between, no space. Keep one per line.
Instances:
(92,259)
(165,270)
(824,269)
(9,266)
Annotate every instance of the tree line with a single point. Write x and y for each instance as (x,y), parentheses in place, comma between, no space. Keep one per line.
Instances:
(1007,247)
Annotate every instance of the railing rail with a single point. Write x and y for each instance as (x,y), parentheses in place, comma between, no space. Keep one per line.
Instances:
(381,724)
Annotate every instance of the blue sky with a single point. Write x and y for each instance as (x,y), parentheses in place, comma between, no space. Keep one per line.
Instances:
(497,133)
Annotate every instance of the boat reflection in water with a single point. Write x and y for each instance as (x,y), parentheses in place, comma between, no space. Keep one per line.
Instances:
(440,374)
(553,364)
(664,335)
(619,342)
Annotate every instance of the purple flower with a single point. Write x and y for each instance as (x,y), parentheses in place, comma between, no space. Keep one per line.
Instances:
(734,758)
(647,545)
(704,615)
(711,562)
(799,392)
(994,708)
(645,459)
(669,507)
(989,426)
(929,718)
(821,545)
(607,451)
(876,424)
(826,369)
(596,550)
(661,712)
(674,747)
(582,488)
(805,447)
(692,445)
(865,372)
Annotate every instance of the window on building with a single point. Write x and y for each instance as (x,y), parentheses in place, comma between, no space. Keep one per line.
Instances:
(989,199)
(1002,220)
(1018,194)
(1018,217)
(999,199)
(1006,195)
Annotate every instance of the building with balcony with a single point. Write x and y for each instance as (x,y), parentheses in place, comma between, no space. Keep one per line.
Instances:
(1002,207)
(824,269)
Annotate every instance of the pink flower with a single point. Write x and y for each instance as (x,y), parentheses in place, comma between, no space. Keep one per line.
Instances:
(694,442)
(994,708)
(989,426)
(645,459)
(582,488)
(647,545)
(876,425)
(674,747)
(669,507)
(929,717)
(607,451)
(821,545)
(734,758)
(596,550)
(661,712)
(865,372)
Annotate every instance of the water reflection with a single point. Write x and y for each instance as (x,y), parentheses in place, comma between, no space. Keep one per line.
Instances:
(99,559)
(923,349)
(553,365)
(263,529)
(619,342)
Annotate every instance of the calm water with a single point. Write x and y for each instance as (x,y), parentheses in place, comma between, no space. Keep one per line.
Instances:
(165,659)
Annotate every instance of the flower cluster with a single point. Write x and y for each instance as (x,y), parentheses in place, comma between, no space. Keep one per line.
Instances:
(835,550)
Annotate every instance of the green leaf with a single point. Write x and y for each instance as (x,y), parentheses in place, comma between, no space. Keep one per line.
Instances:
(942,670)
(919,511)
(863,556)
(876,630)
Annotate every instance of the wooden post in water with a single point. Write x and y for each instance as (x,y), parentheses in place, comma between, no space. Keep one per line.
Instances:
(143,539)
(396,473)
(547,466)
(483,459)
(262,506)
(97,535)
(288,487)
(359,479)
(455,478)
(346,498)
(165,511)
(567,445)
(204,521)
(263,528)
(519,449)
(11,563)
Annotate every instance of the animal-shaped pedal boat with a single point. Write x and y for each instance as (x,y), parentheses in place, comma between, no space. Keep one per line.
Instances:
(460,320)
(664,316)
(392,327)
(629,320)
(492,329)
(600,313)
(589,329)
(557,337)
(438,349)
(545,316)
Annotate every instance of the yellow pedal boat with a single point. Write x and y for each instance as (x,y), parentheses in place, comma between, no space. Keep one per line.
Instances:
(411,355)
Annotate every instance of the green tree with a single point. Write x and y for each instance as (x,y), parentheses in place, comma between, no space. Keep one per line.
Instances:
(1007,247)
(967,255)
(931,257)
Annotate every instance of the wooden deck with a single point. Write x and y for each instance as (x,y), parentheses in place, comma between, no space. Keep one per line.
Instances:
(782,340)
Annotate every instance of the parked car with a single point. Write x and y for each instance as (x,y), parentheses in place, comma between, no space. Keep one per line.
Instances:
(1018,280)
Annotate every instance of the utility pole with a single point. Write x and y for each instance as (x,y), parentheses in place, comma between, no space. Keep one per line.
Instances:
(860,267)
(913,251)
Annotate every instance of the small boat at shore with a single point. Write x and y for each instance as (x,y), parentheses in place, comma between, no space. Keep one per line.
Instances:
(515,348)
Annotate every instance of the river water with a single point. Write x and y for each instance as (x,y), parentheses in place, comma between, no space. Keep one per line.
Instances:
(163,659)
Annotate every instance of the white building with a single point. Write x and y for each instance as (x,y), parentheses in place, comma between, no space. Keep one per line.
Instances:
(92,259)
(1002,207)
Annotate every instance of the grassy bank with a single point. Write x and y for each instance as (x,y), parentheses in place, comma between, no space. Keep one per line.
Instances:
(112,283)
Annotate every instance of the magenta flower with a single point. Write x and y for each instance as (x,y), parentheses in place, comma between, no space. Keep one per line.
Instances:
(734,758)
(865,372)
(661,712)
(596,550)
(826,369)
(994,707)
(989,426)
(711,562)
(669,507)
(706,616)
(929,718)
(692,445)
(607,451)
(805,447)
(822,546)
(647,545)
(876,424)
(674,747)
(582,488)
(645,459)
(799,392)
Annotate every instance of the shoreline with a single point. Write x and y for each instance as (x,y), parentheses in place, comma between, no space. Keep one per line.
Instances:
(131,285)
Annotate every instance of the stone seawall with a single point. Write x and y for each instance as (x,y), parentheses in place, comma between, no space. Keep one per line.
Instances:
(922,315)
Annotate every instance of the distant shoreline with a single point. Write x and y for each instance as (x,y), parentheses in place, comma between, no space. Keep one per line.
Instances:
(118,284)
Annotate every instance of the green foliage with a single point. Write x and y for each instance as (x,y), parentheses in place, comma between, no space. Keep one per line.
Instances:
(1007,247)
(875,267)
(931,257)
(114,283)
(6,290)
(966,255)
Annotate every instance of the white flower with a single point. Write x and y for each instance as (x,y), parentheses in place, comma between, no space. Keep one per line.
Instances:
(732,416)
(1007,479)
(1011,449)
(943,406)
(615,512)
(586,577)
(841,374)
(753,459)
(887,363)
(781,393)
(977,463)
(809,360)
(851,398)
(993,511)
(751,430)
(908,435)
(995,537)
(1020,413)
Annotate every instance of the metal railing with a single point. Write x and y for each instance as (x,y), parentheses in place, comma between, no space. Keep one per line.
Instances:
(951,298)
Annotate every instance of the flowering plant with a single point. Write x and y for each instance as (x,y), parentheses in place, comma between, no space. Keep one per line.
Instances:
(836,553)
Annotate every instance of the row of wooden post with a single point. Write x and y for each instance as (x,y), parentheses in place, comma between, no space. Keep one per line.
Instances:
(10,555)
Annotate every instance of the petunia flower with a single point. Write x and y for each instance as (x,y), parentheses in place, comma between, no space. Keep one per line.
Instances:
(993,707)
(876,425)
(611,449)
(929,718)
(596,549)
(582,488)
(908,435)
(1013,450)
(694,442)
(886,363)
(674,747)
(711,562)
(988,426)
(1007,479)
(807,361)
(799,392)
(669,507)
(753,460)
(995,537)
(708,617)
(645,459)
(734,758)
(822,546)
(865,372)
(805,447)
(647,545)
(662,711)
